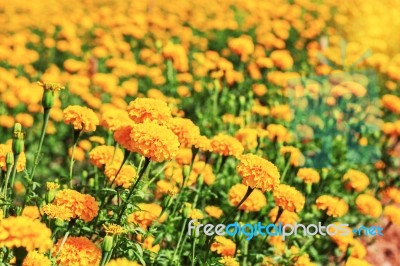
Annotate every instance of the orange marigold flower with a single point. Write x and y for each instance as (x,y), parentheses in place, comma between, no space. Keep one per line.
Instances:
(334,206)
(258,172)
(278,133)
(393,193)
(248,138)
(122,262)
(308,175)
(57,212)
(147,243)
(288,198)
(254,203)
(146,215)
(356,180)
(226,145)
(203,143)
(149,110)
(281,112)
(122,136)
(77,251)
(392,212)
(296,157)
(164,187)
(35,258)
(103,154)
(24,232)
(82,206)
(31,212)
(229,261)
(223,246)
(287,217)
(158,143)
(184,156)
(185,129)
(81,118)
(242,46)
(214,211)
(112,119)
(125,177)
(52,86)
(369,205)
(392,103)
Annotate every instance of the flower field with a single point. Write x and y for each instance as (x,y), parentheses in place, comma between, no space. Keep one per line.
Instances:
(130,128)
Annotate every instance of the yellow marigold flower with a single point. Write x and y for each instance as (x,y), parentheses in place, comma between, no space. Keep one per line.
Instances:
(203,143)
(392,103)
(278,133)
(184,156)
(77,251)
(393,193)
(278,244)
(248,138)
(52,86)
(24,232)
(334,206)
(392,212)
(85,145)
(82,206)
(35,258)
(122,262)
(97,139)
(52,186)
(356,262)
(185,129)
(103,154)
(112,119)
(226,145)
(288,198)
(125,177)
(287,217)
(300,259)
(214,211)
(196,214)
(146,215)
(254,203)
(81,118)
(229,261)
(296,157)
(57,212)
(114,229)
(158,143)
(281,112)
(369,205)
(243,46)
(147,243)
(258,172)
(308,175)
(79,154)
(342,241)
(356,180)
(149,110)
(31,212)
(164,187)
(223,246)
(357,249)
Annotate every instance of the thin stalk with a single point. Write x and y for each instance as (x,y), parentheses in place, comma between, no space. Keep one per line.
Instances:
(77,134)
(287,166)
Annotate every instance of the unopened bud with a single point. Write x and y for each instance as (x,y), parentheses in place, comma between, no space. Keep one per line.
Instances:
(48,99)
(9,159)
(17,128)
(18,142)
(108,243)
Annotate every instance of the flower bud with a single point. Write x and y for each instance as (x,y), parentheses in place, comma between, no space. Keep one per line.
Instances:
(18,142)
(9,159)
(17,128)
(108,243)
(48,99)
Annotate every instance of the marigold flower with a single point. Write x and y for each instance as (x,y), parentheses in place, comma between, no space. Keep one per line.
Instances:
(103,154)
(203,143)
(31,212)
(287,217)
(281,112)
(223,246)
(258,172)
(57,212)
(392,212)
(52,186)
(229,261)
(158,143)
(112,119)
(248,138)
(278,133)
(52,86)
(185,129)
(24,232)
(82,206)
(114,229)
(125,177)
(242,46)
(149,110)
(122,136)
(254,203)
(334,206)
(146,215)
(164,187)
(184,156)
(35,258)
(81,118)
(226,145)
(369,205)
(308,175)
(392,103)
(356,180)
(77,251)
(214,211)
(288,198)
(393,193)
(196,214)
(147,243)
(122,262)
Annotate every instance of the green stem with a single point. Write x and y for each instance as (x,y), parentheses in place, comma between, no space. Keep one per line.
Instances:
(46,116)
(180,239)
(77,134)
(285,170)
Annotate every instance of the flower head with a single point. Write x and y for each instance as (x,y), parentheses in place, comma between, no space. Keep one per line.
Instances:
(31,212)
(114,229)
(392,212)
(369,205)
(223,246)
(296,157)
(254,203)
(185,129)
(334,206)
(82,206)
(77,251)
(356,180)
(52,86)
(112,119)
(226,145)
(287,217)
(24,232)
(288,198)
(229,261)
(149,110)
(308,175)
(103,154)
(35,258)
(214,211)
(57,212)
(52,186)
(258,172)
(146,215)
(81,118)
(248,137)
(126,175)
